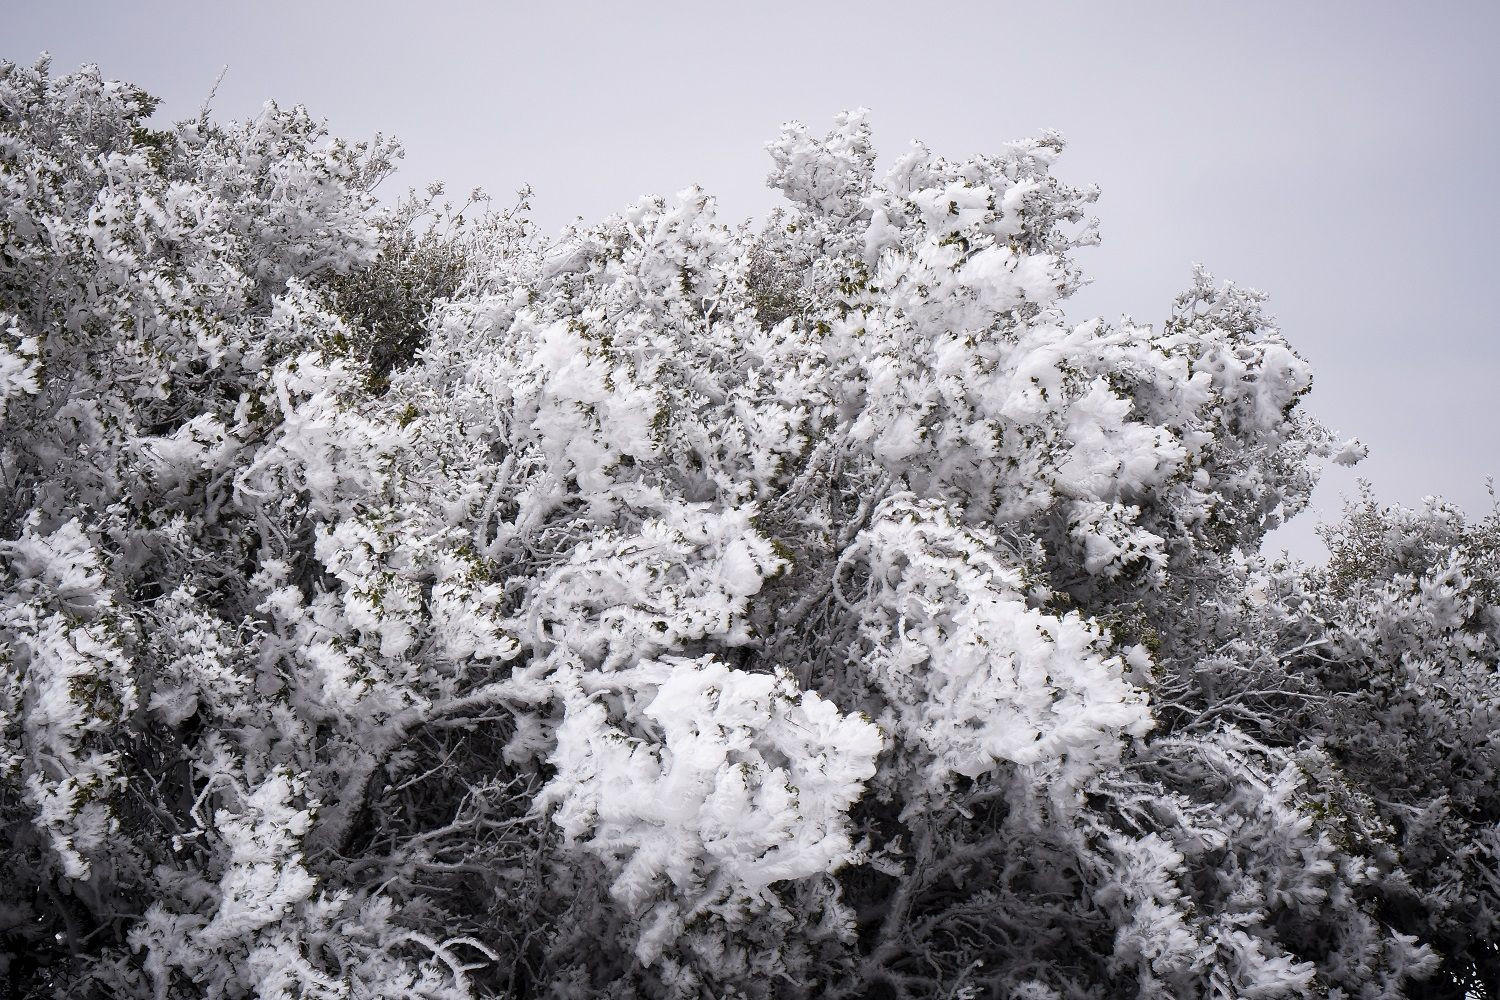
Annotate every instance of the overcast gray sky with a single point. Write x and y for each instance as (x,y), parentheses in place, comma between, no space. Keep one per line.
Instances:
(1340,156)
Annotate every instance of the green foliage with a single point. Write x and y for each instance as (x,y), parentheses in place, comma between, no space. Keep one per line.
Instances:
(426,253)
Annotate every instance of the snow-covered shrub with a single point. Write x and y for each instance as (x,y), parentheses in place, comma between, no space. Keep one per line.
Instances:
(676,608)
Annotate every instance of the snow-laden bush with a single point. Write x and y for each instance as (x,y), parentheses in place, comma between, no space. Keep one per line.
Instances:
(675,608)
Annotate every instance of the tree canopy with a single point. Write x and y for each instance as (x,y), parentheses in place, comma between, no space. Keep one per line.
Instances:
(396,602)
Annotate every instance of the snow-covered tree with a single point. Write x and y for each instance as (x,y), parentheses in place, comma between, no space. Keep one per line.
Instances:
(676,608)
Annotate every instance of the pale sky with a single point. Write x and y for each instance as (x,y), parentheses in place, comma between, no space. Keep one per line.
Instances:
(1339,155)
